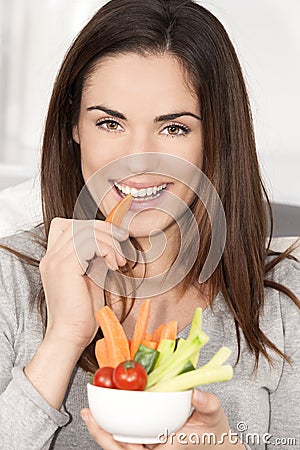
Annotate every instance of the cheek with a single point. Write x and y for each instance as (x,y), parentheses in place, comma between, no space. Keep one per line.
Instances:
(94,155)
(191,150)
(91,160)
(196,153)
(193,155)
(185,193)
(89,163)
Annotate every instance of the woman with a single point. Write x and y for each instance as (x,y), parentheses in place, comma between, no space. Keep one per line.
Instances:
(144,77)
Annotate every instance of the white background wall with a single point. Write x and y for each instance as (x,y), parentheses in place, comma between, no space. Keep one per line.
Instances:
(266,34)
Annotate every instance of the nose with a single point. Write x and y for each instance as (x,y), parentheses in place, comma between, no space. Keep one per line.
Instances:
(141,153)
(142,162)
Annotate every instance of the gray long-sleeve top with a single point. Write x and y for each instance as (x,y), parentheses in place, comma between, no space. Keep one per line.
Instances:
(261,407)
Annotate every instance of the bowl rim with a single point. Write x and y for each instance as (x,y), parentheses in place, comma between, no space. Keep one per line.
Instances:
(126,391)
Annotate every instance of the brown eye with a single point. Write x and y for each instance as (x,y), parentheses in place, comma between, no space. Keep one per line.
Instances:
(176,130)
(108,125)
(112,125)
(173,129)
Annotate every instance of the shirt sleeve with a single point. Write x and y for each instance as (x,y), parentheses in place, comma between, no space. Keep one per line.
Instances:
(27,421)
(284,430)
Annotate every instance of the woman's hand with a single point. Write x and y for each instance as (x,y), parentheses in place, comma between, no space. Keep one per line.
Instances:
(71,296)
(71,299)
(208,417)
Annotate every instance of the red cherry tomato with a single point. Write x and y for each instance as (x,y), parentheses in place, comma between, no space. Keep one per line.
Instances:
(103,377)
(130,375)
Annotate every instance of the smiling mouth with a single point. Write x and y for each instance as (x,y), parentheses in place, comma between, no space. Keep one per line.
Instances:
(143,194)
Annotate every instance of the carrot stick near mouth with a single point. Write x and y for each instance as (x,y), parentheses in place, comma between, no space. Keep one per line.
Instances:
(118,213)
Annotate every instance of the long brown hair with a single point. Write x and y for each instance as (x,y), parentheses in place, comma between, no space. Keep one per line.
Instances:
(198,41)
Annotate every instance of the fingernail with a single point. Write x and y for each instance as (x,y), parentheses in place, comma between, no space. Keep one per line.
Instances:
(198,396)
(85,416)
(114,266)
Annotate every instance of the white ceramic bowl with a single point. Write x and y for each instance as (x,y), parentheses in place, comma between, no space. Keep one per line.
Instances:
(139,417)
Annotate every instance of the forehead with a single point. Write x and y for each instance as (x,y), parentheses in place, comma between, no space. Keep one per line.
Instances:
(140,79)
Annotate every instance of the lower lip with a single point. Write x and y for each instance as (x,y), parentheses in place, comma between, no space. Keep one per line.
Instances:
(142,204)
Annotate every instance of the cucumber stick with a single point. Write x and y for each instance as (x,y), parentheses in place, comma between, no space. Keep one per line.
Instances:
(175,363)
(196,324)
(196,330)
(165,349)
(219,358)
(169,373)
(194,378)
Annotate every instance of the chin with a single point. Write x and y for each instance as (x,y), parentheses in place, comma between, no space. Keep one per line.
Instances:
(149,224)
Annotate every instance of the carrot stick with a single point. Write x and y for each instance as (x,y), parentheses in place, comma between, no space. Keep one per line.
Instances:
(169,331)
(157,332)
(116,340)
(150,344)
(101,353)
(140,327)
(148,337)
(118,213)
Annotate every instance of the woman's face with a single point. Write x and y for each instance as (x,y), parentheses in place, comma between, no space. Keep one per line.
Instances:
(123,105)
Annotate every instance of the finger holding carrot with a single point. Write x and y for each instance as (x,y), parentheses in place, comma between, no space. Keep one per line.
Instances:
(71,302)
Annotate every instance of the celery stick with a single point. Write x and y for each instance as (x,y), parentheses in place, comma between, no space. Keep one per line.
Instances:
(165,349)
(180,342)
(187,368)
(202,336)
(219,358)
(196,330)
(194,378)
(196,324)
(204,339)
(175,363)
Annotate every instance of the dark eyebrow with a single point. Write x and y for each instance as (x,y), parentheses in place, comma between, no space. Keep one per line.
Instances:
(119,115)
(175,115)
(110,112)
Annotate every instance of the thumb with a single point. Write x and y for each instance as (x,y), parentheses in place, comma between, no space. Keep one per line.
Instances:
(207,408)
(103,438)
(100,436)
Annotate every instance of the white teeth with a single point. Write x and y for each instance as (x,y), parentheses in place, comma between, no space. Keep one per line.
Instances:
(126,190)
(145,192)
